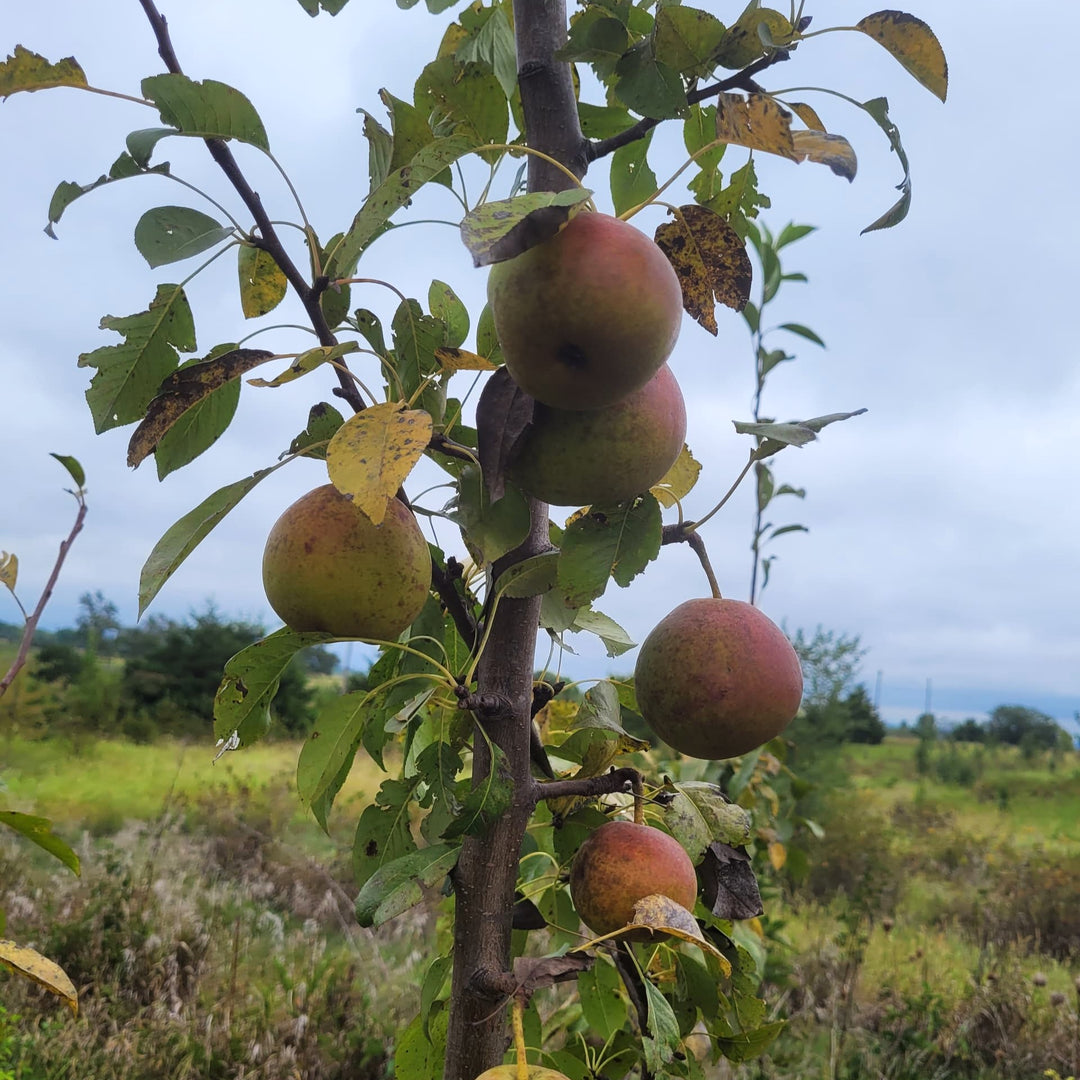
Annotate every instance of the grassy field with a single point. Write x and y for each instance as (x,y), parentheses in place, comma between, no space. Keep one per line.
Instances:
(936,935)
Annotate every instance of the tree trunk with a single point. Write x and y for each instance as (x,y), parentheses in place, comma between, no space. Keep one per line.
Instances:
(486,873)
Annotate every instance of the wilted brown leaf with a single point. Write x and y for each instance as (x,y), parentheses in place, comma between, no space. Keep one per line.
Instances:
(711,261)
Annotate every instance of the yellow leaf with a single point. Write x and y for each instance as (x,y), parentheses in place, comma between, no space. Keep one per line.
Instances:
(9,569)
(777,854)
(756,122)
(32,965)
(459,360)
(832,150)
(262,283)
(680,479)
(371,454)
(25,70)
(807,115)
(711,261)
(657,915)
(914,44)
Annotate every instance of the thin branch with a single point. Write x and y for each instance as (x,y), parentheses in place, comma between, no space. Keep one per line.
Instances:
(443,580)
(742,80)
(267,239)
(586,787)
(35,615)
(686,533)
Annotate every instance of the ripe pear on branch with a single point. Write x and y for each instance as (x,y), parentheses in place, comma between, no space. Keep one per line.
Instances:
(716,678)
(587,317)
(327,568)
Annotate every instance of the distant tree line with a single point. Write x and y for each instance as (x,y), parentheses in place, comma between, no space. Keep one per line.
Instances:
(1015,725)
(160,677)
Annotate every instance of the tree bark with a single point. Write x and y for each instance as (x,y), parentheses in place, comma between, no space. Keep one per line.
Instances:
(486,874)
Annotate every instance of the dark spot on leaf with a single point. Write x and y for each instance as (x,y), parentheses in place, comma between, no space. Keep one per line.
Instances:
(371,849)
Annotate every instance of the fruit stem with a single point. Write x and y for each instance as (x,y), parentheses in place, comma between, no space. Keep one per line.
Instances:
(639,799)
(519,1038)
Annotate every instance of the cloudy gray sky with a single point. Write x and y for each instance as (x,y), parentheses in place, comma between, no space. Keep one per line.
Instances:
(943,523)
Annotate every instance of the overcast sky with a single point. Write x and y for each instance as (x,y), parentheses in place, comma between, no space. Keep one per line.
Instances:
(943,523)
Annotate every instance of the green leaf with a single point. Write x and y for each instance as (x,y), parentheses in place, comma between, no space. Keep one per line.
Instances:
(603,1004)
(618,541)
(185,535)
(75,470)
(27,71)
(464,100)
(700,813)
(383,833)
(328,752)
(450,311)
(595,38)
(68,191)
(38,830)
(380,150)
(648,87)
(431,989)
(323,422)
(485,803)
(397,886)
(392,194)
(491,528)
(417,337)
(142,143)
(663,1040)
(263,284)
(687,39)
(421,1054)
(914,44)
(530,577)
(207,110)
(168,234)
(802,331)
(749,1044)
(632,181)
(878,109)
(603,121)
(490,42)
(787,529)
(616,640)
(250,681)
(129,375)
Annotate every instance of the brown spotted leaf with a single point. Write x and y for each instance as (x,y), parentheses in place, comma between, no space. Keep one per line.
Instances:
(914,44)
(711,261)
(183,390)
(832,150)
(262,283)
(372,452)
(662,917)
(756,122)
(499,230)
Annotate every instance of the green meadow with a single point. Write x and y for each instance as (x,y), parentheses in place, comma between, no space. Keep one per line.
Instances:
(936,932)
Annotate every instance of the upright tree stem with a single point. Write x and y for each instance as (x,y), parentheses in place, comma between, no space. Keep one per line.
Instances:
(486,874)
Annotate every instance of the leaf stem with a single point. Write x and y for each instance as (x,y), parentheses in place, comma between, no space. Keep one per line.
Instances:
(730,491)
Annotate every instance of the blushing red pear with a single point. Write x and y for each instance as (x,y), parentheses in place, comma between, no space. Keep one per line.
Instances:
(717,678)
(587,317)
